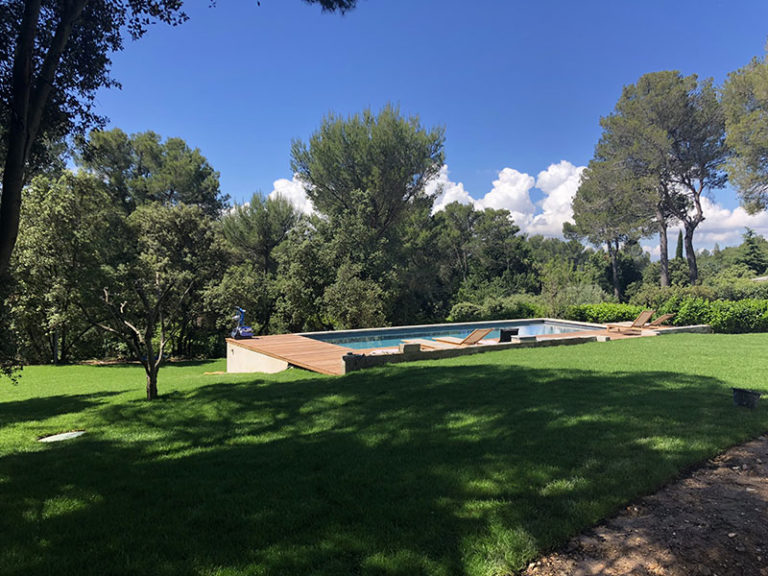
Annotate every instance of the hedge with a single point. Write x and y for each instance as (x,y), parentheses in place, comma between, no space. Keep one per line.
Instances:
(725,316)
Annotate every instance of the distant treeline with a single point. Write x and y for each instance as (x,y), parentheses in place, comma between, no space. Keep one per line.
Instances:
(136,253)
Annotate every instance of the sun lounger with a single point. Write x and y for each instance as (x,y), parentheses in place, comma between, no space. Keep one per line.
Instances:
(661,321)
(473,338)
(434,345)
(636,327)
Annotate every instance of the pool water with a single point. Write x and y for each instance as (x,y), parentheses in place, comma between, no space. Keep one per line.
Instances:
(392,337)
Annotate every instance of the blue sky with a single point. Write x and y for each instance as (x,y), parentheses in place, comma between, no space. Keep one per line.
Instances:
(519,86)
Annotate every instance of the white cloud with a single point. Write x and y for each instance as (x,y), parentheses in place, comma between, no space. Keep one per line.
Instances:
(293,191)
(511,191)
(653,249)
(445,192)
(559,183)
(720,226)
(726,226)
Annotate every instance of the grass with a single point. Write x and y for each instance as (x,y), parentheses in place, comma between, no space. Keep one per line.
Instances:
(472,465)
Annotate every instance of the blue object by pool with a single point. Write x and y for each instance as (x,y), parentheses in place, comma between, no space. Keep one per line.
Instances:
(392,337)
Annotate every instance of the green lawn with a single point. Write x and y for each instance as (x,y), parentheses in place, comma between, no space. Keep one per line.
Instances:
(465,466)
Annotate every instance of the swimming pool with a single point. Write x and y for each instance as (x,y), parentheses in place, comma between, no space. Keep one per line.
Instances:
(392,337)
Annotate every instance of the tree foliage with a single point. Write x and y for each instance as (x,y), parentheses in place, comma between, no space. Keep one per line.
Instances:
(668,130)
(745,101)
(142,168)
(70,227)
(373,166)
(608,211)
(54,57)
(145,290)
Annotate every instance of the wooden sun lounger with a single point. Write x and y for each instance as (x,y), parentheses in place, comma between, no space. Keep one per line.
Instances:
(661,321)
(473,338)
(636,327)
(424,343)
(457,341)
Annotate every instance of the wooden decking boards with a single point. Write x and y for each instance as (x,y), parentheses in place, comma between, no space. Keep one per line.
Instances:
(300,351)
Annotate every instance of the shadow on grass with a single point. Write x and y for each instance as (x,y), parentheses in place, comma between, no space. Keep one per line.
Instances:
(409,470)
(49,406)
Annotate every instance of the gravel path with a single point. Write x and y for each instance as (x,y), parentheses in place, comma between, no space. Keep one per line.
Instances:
(712,522)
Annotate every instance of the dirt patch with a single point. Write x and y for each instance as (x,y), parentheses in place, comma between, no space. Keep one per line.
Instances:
(713,522)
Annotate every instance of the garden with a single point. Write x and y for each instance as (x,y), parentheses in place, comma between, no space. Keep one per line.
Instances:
(473,465)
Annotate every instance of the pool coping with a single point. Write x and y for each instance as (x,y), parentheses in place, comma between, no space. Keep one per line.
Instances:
(485,323)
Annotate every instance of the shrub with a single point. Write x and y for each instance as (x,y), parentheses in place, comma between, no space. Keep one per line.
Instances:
(737,317)
(602,313)
(690,310)
(656,297)
(515,306)
(725,316)
(465,312)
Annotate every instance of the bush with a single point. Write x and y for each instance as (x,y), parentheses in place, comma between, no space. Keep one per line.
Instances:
(656,297)
(516,306)
(737,317)
(725,316)
(465,312)
(602,313)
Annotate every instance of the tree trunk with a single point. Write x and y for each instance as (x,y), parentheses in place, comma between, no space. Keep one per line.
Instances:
(151,382)
(18,134)
(63,346)
(663,248)
(28,101)
(614,271)
(690,255)
(55,347)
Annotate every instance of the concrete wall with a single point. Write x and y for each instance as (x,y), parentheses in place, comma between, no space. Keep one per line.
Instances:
(241,359)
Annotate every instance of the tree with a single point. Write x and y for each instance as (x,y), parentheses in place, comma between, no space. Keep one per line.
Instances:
(54,57)
(169,255)
(141,169)
(253,232)
(753,252)
(305,270)
(679,247)
(379,164)
(68,225)
(669,131)
(366,177)
(482,248)
(608,212)
(745,102)
(456,229)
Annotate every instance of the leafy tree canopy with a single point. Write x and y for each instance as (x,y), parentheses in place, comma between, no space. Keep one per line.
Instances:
(375,163)
(142,168)
(745,100)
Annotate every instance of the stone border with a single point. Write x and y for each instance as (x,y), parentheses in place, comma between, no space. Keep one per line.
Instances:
(353,362)
(693,329)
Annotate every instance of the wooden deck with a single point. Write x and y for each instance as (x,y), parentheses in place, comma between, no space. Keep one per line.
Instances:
(299,351)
